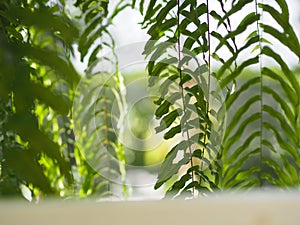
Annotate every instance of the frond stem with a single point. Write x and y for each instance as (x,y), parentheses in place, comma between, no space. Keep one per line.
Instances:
(106,133)
(261,91)
(182,89)
(208,79)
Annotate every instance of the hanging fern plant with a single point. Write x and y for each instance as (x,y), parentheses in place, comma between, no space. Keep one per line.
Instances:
(98,124)
(260,145)
(262,135)
(35,48)
(184,106)
(228,99)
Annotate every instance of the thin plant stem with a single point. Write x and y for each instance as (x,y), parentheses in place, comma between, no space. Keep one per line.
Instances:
(208,80)
(261,90)
(182,89)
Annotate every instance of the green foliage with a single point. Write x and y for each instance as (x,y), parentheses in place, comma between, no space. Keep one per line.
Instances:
(97,127)
(260,145)
(38,85)
(95,119)
(185,106)
(231,108)
(35,47)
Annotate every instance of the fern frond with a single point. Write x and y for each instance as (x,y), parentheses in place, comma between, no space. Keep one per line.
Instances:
(39,40)
(183,105)
(267,110)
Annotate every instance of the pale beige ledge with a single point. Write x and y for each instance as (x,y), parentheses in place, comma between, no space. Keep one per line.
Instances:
(226,209)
